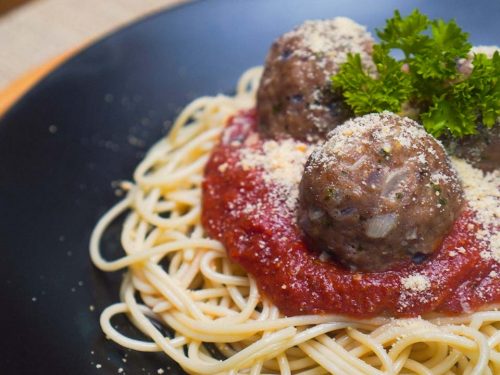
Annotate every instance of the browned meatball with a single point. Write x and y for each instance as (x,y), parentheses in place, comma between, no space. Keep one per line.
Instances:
(379,191)
(294,97)
(482,150)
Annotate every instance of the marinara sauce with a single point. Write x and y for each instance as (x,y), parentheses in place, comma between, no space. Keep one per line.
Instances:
(268,243)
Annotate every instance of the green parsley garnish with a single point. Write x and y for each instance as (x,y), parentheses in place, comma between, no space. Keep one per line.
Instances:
(436,187)
(426,83)
(330,194)
(442,201)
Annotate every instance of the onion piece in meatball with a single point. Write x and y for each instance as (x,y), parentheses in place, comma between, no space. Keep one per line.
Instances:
(379,191)
(295,97)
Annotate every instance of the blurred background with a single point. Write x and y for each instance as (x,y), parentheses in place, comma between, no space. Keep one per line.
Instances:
(37,34)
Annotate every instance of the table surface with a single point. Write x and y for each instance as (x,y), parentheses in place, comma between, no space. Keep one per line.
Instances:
(62,27)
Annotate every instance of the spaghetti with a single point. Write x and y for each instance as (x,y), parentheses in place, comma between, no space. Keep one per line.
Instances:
(185,281)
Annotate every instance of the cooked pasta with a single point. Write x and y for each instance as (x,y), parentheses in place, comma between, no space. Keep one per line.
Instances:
(184,280)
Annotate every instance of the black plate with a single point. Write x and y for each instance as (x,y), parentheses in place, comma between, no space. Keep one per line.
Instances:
(90,122)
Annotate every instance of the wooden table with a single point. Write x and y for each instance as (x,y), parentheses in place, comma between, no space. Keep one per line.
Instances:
(52,18)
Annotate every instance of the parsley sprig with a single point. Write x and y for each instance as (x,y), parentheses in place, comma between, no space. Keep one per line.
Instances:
(426,83)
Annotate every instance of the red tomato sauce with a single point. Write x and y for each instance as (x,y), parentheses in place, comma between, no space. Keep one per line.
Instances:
(270,246)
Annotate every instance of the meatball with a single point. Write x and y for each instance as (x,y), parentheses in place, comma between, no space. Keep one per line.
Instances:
(295,97)
(482,150)
(379,191)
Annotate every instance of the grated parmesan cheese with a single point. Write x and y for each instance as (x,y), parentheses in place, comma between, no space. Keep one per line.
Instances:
(334,38)
(415,286)
(282,163)
(223,167)
(416,283)
(482,191)
(381,128)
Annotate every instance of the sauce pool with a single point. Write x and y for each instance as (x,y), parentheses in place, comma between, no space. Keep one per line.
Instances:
(268,243)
